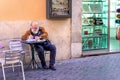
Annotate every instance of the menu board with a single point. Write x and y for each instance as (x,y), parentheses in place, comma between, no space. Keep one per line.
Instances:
(60,7)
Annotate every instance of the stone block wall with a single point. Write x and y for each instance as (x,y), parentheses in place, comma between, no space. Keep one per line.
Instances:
(76,29)
(58,30)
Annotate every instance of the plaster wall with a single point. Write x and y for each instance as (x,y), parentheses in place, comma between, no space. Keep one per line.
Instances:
(64,33)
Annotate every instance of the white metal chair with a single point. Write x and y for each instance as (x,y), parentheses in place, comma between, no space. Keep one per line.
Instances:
(15,44)
(11,58)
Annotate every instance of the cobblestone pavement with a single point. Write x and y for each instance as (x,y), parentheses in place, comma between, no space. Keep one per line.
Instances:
(104,67)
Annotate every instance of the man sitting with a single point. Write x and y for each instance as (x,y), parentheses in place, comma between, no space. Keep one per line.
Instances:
(38,33)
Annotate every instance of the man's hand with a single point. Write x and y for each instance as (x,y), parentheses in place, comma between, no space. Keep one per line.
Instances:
(37,38)
(30,37)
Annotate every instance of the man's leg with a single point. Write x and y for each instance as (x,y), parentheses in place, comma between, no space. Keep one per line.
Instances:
(40,51)
(52,54)
(52,50)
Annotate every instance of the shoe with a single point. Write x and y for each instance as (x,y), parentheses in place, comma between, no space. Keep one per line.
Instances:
(52,67)
(45,67)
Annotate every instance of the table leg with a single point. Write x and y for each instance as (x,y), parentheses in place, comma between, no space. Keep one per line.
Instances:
(33,62)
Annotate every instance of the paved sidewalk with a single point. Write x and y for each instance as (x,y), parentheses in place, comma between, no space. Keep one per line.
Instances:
(104,67)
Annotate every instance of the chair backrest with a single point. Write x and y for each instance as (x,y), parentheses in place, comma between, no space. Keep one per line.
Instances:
(11,56)
(15,44)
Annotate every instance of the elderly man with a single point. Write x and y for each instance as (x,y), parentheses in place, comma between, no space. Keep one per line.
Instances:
(38,33)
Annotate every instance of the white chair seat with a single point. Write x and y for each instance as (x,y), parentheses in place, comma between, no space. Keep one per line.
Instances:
(2,61)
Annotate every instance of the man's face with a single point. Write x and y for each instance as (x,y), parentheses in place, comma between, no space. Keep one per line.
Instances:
(34,26)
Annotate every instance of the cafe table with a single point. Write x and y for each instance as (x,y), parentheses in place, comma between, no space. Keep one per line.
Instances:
(33,62)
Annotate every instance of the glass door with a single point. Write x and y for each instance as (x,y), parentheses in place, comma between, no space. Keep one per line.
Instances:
(114,25)
(94,24)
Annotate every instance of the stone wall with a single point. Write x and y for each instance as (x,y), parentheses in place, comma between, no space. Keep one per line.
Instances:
(58,30)
(76,38)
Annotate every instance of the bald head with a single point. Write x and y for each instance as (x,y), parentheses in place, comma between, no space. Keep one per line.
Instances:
(35,25)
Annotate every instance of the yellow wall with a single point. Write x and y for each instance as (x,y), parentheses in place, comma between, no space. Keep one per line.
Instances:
(22,10)
(15,19)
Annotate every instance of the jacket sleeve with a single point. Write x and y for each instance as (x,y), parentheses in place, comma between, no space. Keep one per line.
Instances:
(26,35)
(44,33)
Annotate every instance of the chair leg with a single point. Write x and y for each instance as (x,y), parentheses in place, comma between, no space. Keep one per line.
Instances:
(13,67)
(22,70)
(3,70)
(24,59)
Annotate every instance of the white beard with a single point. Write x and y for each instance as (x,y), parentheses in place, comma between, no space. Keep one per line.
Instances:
(35,31)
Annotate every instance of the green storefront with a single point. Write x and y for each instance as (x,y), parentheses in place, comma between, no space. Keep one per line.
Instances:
(99,26)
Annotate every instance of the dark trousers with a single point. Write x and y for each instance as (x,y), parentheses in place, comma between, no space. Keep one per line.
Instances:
(40,50)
